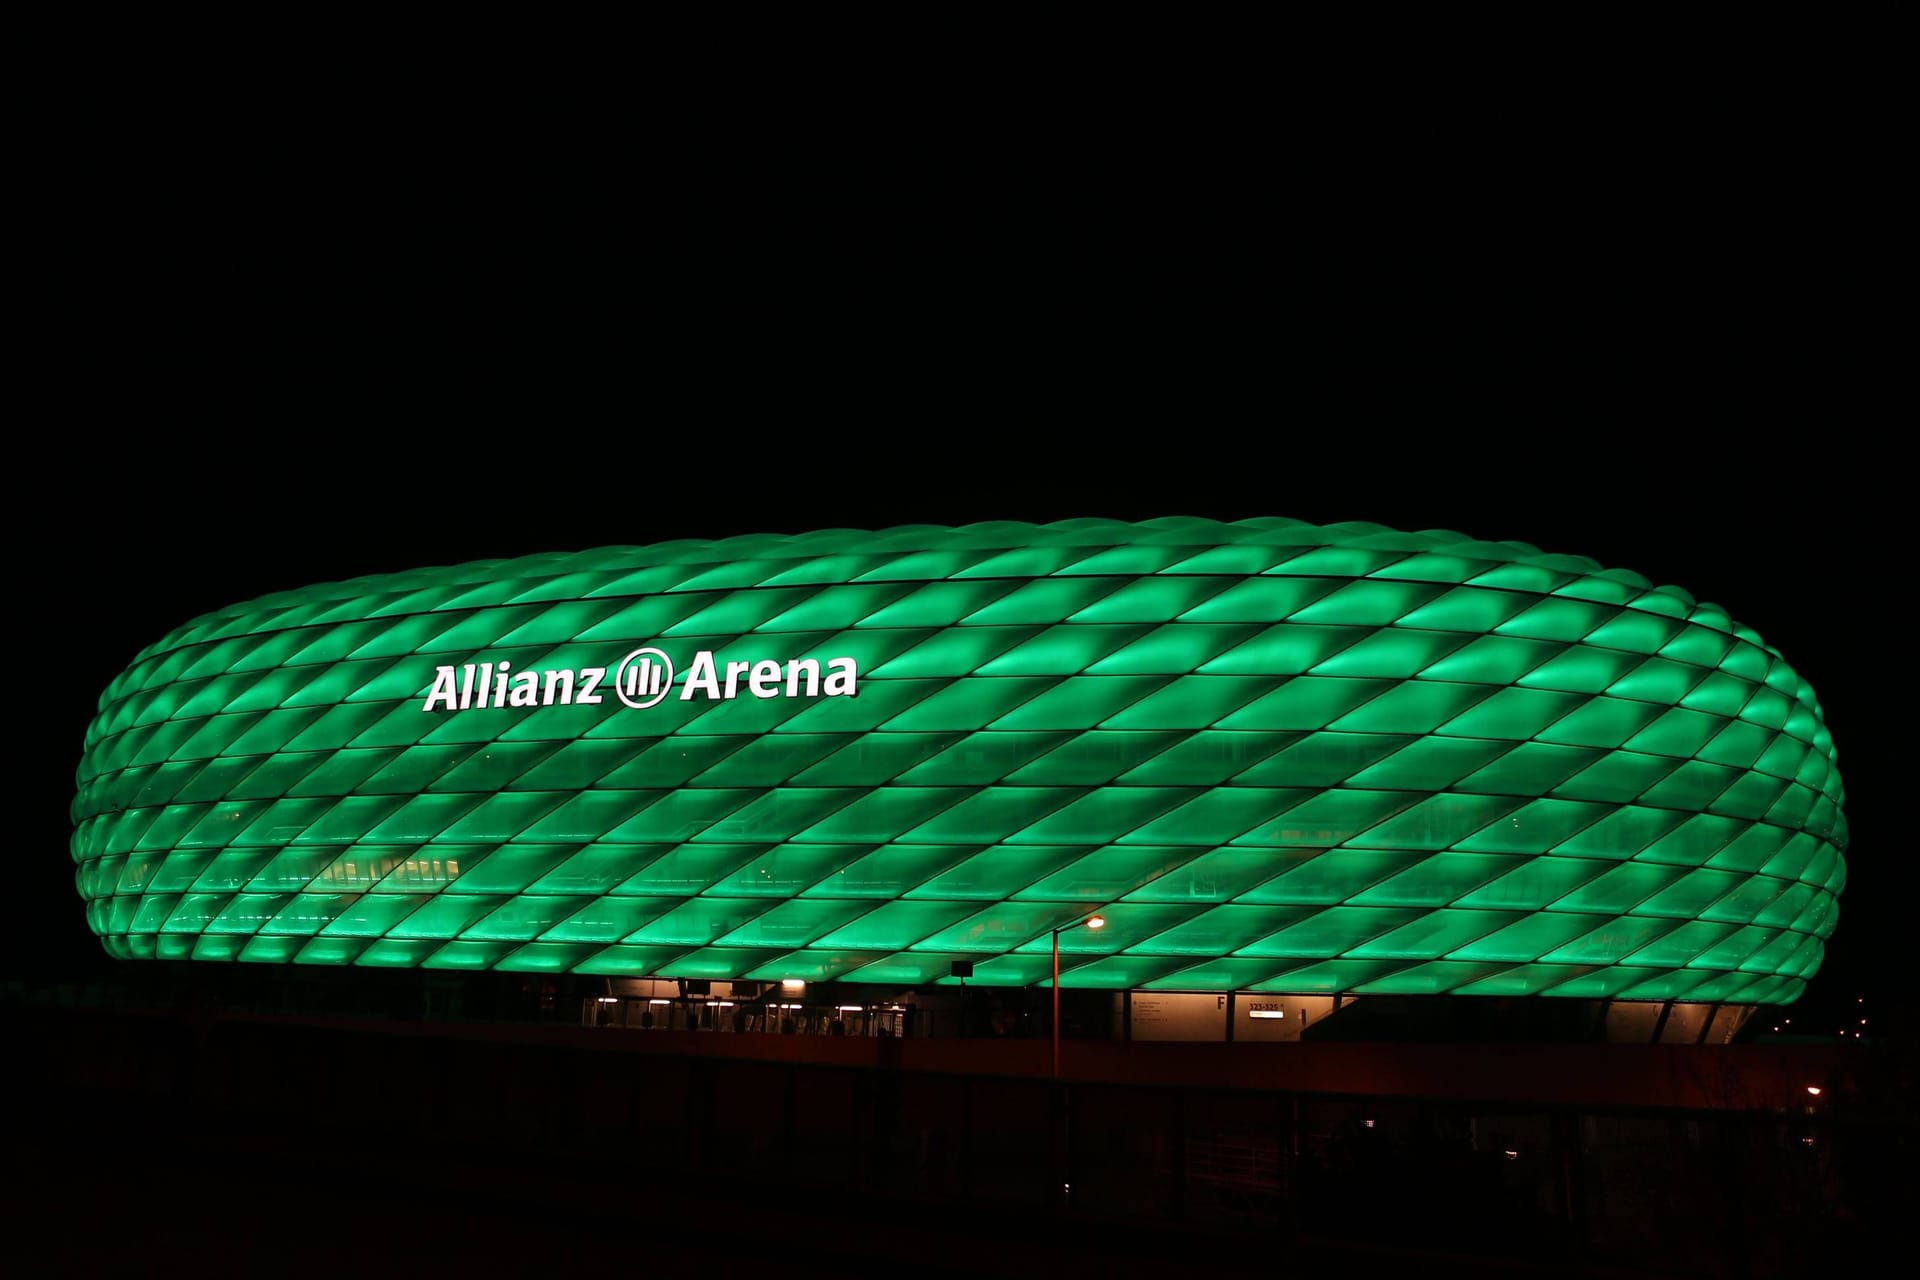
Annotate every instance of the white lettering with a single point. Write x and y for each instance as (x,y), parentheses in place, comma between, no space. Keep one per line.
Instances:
(809,667)
(443,687)
(646,673)
(765,680)
(701,676)
(734,671)
(841,670)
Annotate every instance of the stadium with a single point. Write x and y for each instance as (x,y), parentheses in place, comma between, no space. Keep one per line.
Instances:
(1224,780)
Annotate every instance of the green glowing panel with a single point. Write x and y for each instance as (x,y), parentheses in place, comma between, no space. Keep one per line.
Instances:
(889,871)
(609,919)
(1179,646)
(1217,816)
(1151,599)
(1436,932)
(793,924)
(1057,651)
(870,760)
(373,915)
(1391,652)
(1335,931)
(1226,974)
(1207,758)
(1614,777)
(1620,889)
(331,950)
(894,926)
(1512,713)
(213,946)
(1127,925)
(1579,670)
(1534,883)
(1435,764)
(1683,945)
(1287,649)
(988,756)
(1611,942)
(810,965)
(1327,976)
(1215,876)
(1278,758)
(523,918)
(1218,931)
(698,922)
(1525,939)
(1433,978)
(1601,722)
(999,871)
(682,870)
(1492,660)
(1111,873)
(1434,882)
(1323,759)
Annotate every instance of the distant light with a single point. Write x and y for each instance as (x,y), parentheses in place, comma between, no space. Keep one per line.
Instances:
(1814,1090)
(1097,922)
(1511,1154)
(1267,1013)
(657,1000)
(849,1008)
(616,1000)
(792,986)
(1806,1142)
(720,1004)
(1367,1123)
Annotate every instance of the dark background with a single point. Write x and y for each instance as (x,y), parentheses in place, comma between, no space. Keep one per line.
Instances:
(294,356)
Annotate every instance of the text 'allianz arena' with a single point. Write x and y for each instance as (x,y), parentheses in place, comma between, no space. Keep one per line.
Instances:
(1275,757)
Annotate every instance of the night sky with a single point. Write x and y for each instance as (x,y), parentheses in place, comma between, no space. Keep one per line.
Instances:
(272,370)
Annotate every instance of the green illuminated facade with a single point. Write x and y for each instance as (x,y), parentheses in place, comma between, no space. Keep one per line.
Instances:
(1277,757)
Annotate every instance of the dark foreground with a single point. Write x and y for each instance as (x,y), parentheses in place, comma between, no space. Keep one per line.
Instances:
(230,1144)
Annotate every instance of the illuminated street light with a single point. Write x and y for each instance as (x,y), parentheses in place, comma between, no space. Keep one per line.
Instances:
(1063,1125)
(1095,921)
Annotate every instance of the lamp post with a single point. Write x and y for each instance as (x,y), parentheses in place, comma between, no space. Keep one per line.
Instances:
(1063,1114)
(1095,921)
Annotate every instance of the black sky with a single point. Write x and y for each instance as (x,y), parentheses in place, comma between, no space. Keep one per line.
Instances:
(270,365)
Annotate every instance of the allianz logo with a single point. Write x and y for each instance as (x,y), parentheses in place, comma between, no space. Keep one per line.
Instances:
(644,678)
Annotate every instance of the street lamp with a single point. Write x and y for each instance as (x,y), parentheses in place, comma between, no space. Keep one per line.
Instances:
(1092,922)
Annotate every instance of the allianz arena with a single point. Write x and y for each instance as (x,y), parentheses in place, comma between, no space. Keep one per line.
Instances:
(1272,757)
